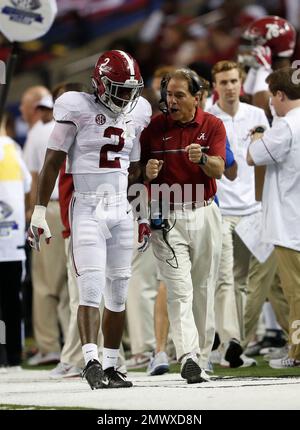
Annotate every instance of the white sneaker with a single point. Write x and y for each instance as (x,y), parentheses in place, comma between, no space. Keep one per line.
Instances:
(159,364)
(64,370)
(3,369)
(284,363)
(204,375)
(247,362)
(277,353)
(48,358)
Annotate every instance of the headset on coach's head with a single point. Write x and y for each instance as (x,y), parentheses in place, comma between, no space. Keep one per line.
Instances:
(194,82)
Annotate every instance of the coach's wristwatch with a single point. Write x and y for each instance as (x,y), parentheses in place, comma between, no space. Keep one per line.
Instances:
(203,160)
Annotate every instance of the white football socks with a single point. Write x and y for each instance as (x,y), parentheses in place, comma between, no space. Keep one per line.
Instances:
(90,352)
(110,358)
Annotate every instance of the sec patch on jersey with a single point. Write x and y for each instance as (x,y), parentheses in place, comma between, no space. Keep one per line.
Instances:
(100,119)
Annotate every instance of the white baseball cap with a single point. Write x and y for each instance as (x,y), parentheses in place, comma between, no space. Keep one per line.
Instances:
(46,101)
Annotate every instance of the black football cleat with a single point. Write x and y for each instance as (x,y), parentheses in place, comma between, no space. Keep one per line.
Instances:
(94,374)
(116,379)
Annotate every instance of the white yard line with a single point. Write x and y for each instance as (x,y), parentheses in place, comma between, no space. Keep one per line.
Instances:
(165,392)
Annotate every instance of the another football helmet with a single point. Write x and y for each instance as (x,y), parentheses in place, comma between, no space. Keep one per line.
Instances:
(117,81)
(272,31)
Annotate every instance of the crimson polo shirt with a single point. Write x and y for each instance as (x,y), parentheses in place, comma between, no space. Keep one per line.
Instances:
(165,139)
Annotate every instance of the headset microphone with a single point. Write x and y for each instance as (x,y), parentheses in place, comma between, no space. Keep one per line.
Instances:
(163,106)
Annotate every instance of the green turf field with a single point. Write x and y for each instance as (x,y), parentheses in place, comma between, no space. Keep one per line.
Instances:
(262,369)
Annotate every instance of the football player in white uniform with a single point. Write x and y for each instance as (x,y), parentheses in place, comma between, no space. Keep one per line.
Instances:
(271,43)
(100,135)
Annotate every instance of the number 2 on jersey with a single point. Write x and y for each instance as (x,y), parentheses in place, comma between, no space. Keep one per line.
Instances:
(104,162)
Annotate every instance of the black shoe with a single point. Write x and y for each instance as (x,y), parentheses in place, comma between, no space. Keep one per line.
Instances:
(233,353)
(93,373)
(272,339)
(192,372)
(116,379)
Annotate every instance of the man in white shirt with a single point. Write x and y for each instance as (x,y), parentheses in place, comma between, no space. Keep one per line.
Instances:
(101,139)
(237,200)
(272,42)
(279,150)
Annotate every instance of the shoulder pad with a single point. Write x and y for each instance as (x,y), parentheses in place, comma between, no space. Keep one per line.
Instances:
(142,112)
(69,106)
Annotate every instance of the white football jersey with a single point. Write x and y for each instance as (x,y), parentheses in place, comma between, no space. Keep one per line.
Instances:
(104,143)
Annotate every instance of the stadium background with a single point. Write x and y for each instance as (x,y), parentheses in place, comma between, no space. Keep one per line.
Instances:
(84,28)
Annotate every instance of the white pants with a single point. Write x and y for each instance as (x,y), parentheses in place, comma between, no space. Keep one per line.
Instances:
(196,239)
(228,291)
(102,239)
